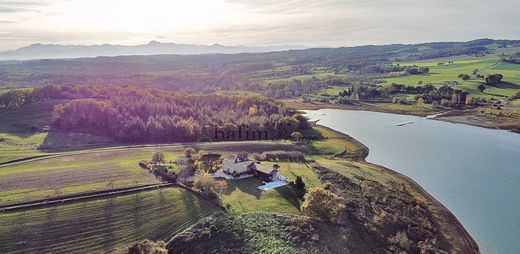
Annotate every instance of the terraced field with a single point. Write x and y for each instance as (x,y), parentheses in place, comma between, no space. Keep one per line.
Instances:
(100,226)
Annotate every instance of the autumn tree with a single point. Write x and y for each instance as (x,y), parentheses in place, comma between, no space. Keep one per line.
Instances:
(204,182)
(186,169)
(158,157)
(420,102)
(322,204)
(296,136)
(469,100)
(189,152)
(148,247)
(221,186)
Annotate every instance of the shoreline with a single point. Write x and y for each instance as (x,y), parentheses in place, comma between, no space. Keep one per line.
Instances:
(451,228)
(456,116)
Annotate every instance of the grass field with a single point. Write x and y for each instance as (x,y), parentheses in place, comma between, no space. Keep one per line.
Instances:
(449,72)
(321,75)
(333,143)
(333,90)
(100,226)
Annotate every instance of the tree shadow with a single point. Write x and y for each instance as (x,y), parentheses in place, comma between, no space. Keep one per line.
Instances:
(507,85)
(249,185)
(494,94)
(292,195)
(57,141)
(109,234)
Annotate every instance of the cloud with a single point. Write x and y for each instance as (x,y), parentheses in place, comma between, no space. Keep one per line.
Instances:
(7,6)
(255,22)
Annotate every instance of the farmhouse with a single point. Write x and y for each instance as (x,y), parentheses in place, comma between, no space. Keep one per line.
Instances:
(237,165)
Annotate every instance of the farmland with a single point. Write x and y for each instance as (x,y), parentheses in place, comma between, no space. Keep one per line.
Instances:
(450,71)
(101,225)
(72,174)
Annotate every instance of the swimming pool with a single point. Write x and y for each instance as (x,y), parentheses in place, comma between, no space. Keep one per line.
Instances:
(272,185)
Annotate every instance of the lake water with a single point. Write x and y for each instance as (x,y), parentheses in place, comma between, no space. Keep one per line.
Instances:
(473,171)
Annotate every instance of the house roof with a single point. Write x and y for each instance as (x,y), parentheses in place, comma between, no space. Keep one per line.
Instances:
(231,157)
(263,169)
(235,158)
(244,163)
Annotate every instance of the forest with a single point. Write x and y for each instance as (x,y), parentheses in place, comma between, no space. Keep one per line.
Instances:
(132,114)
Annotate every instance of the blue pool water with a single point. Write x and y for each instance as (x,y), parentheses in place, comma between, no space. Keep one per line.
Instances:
(272,185)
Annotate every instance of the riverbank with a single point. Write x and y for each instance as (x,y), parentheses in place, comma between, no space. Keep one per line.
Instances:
(455,237)
(503,119)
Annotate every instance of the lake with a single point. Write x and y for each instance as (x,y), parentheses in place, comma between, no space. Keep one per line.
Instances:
(473,171)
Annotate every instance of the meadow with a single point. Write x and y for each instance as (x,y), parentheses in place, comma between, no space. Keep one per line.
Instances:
(101,225)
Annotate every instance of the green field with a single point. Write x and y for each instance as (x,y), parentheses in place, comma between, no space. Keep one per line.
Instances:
(449,72)
(322,75)
(333,90)
(101,225)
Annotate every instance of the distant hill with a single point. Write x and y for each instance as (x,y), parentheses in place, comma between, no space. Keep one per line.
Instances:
(50,51)
(201,72)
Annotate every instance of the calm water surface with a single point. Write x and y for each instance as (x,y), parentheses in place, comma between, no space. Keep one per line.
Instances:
(473,171)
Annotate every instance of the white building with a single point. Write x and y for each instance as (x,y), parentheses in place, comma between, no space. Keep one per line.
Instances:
(233,164)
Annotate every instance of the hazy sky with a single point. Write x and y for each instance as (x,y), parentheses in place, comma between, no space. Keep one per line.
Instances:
(255,22)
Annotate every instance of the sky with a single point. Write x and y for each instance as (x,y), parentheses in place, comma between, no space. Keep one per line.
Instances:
(255,22)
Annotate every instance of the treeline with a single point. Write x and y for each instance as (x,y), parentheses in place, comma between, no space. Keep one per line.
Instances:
(280,155)
(296,88)
(18,97)
(131,114)
(514,58)
(428,92)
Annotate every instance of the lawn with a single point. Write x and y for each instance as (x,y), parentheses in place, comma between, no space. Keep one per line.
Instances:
(100,226)
(244,196)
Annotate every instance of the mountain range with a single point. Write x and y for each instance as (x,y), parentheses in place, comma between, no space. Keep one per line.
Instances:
(52,51)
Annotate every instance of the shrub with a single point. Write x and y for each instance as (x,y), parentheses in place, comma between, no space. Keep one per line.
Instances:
(204,182)
(158,157)
(322,204)
(283,156)
(148,247)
